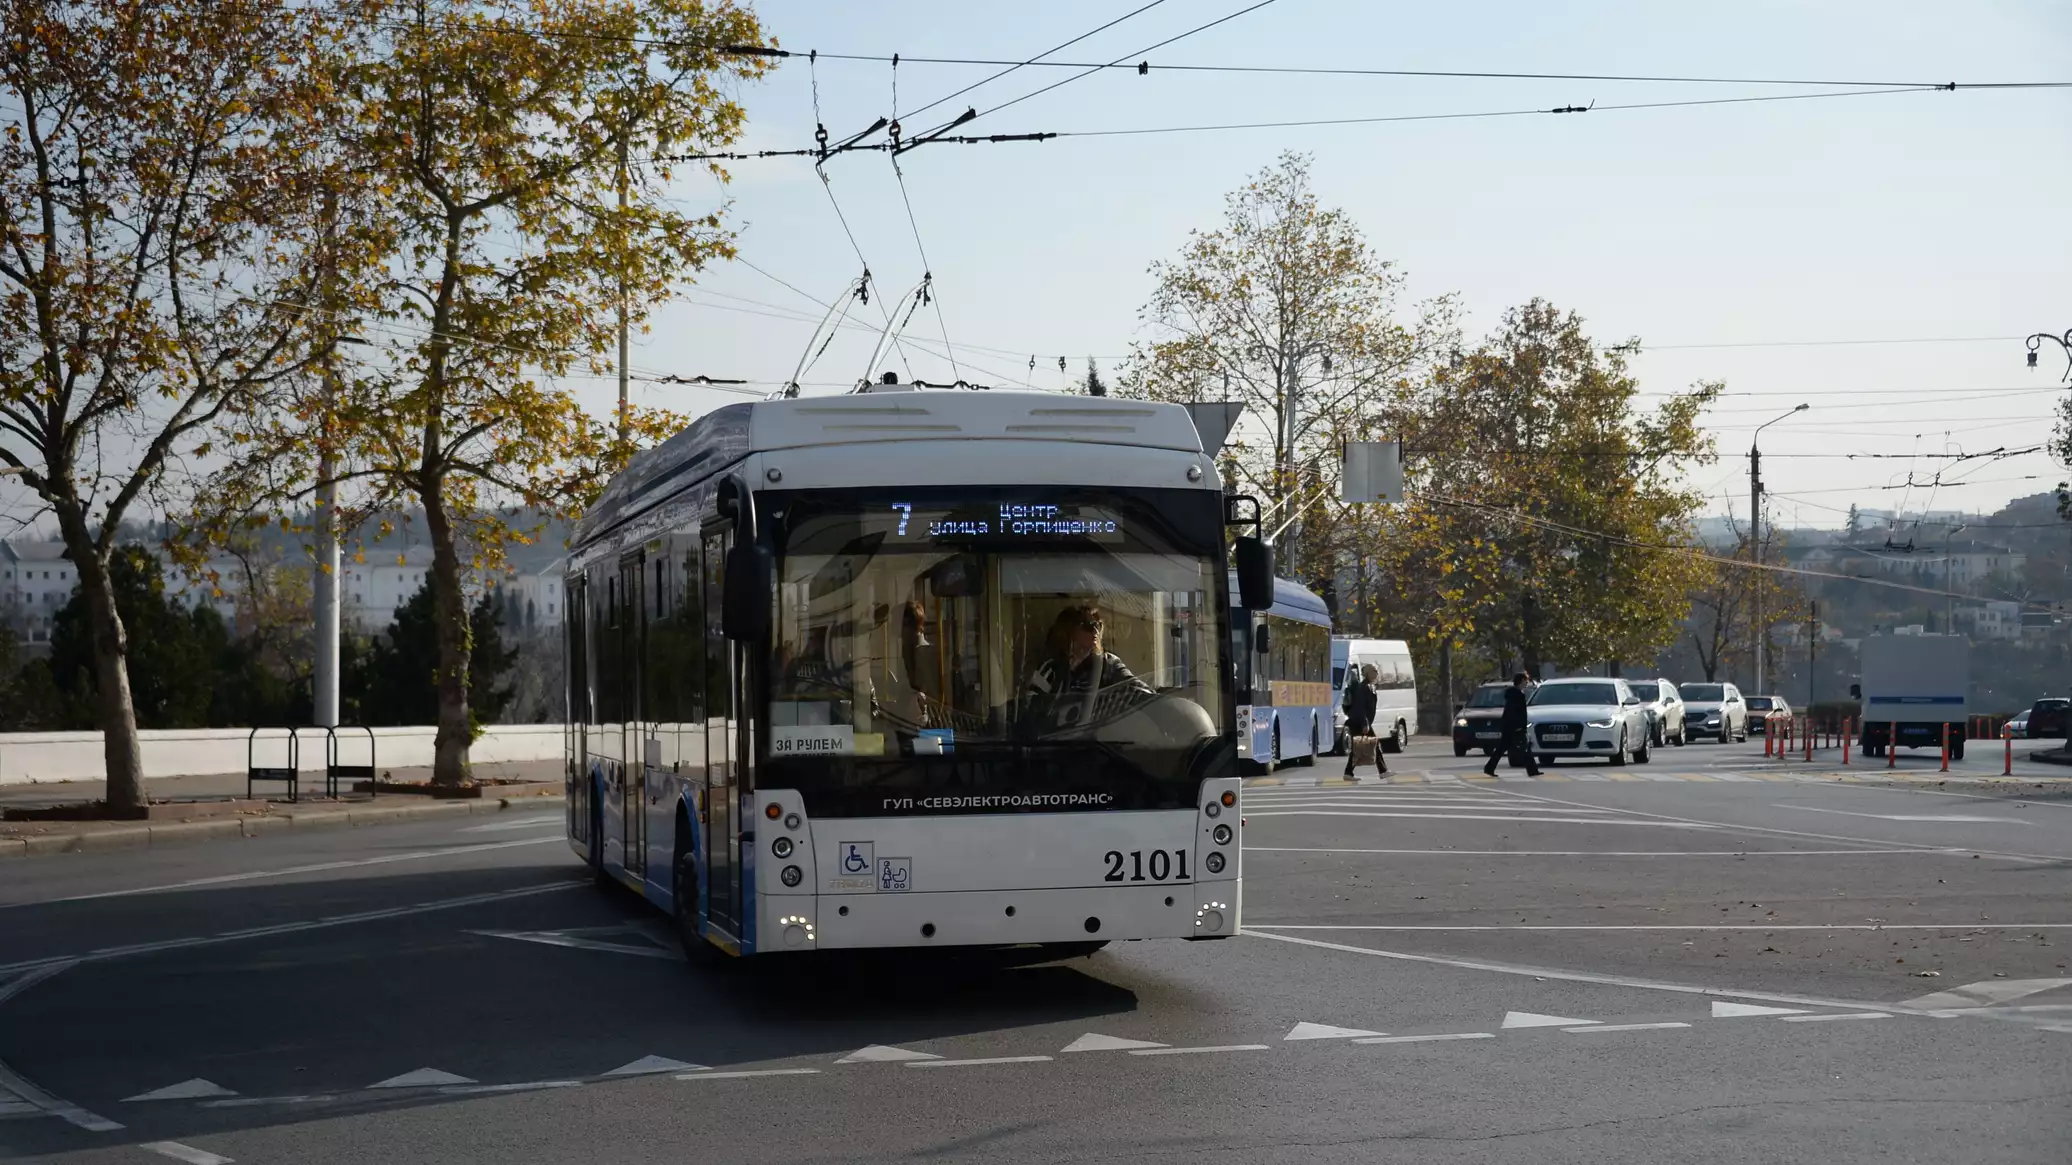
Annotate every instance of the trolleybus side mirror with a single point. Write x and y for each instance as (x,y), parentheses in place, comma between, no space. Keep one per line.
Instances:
(745,605)
(1262,639)
(1254,561)
(1856,691)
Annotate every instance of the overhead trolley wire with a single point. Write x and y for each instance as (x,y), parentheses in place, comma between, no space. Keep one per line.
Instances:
(1012,66)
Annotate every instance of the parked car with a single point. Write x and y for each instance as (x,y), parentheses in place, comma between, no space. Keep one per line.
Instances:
(1479,722)
(2048,718)
(1761,708)
(1587,717)
(1665,709)
(1715,711)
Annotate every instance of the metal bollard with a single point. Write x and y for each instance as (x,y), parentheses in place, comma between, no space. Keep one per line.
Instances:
(1891,743)
(1845,740)
(1809,740)
(1946,746)
(2007,766)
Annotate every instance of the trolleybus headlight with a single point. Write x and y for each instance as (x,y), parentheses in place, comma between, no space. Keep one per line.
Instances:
(781,847)
(792,821)
(1214,862)
(1229,800)
(792,875)
(1221,833)
(1212,809)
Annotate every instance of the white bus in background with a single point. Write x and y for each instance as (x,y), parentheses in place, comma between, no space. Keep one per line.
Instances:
(827,684)
(1395,713)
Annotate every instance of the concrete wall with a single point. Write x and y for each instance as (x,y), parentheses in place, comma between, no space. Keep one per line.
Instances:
(76,756)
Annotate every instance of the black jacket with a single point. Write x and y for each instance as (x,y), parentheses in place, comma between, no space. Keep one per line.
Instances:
(1360,703)
(1514,709)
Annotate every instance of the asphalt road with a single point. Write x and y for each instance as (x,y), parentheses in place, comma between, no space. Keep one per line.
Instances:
(1778,967)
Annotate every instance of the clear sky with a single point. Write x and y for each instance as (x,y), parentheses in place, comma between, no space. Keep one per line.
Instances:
(1918,215)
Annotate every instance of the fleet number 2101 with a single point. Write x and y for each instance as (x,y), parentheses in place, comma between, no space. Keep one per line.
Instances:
(1159,865)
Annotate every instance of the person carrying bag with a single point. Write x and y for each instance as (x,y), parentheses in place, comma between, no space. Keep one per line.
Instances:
(1362,746)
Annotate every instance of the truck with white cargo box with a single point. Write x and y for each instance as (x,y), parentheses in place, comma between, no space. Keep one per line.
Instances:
(1914,689)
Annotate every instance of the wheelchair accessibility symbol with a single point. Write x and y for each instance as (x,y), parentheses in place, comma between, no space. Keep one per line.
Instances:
(856,857)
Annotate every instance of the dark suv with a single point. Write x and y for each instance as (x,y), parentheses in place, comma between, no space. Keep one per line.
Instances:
(2048,718)
(1479,723)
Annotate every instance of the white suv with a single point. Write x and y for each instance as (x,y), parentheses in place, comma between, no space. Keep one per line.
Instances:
(1715,711)
(1588,717)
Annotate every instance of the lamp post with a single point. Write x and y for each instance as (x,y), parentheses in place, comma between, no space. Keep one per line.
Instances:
(2065,341)
(1755,543)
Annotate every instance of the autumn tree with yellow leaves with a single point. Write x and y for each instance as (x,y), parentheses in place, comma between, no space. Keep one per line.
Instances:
(162,184)
(515,158)
(1549,518)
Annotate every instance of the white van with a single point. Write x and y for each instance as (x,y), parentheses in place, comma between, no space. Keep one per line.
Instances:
(1395,713)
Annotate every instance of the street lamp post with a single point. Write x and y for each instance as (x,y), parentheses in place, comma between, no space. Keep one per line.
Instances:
(1755,544)
(2064,341)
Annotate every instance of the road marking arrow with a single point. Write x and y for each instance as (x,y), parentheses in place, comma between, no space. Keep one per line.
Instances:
(195,1089)
(1324,1031)
(422,1078)
(1987,992)
(650,1064)
(1722,1010)
(1532,1019)
(881,1054)
(1096,1042)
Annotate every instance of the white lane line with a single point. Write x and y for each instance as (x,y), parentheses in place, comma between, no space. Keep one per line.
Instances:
(1826,1018)
(314,868)
(1493,805)
(34,976)
(1580,775)
(187,1153)
(292,927)
(528,1086)
(1428,1039)
(1200,1051)
(976,1062)
(254,1101)
(1250,926)
(17,1087)
(1660,776)
(1587,853)
(1958,818)
(553,820)
(1554,973)
(1514,820)
(1724,775)
(2003,855)
(749,1075)
(1624,1027)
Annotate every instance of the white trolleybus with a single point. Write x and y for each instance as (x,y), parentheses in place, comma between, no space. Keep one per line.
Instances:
(914,668)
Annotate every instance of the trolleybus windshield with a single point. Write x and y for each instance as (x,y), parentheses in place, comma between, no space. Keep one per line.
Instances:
(999,654)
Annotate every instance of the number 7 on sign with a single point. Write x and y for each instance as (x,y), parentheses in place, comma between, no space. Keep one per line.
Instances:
(906,510)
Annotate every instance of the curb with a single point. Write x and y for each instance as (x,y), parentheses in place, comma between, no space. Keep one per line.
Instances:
(182,833)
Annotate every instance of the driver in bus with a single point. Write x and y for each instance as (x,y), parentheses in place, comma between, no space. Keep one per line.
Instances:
(1079,667)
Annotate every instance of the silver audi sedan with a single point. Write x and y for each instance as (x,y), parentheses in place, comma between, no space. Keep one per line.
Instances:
(1588,717)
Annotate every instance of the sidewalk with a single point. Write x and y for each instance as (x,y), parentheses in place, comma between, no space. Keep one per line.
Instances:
(207,808)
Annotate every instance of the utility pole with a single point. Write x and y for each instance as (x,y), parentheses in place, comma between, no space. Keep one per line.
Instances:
(324,691)
(1755,548)
(625,416)
(1812,653)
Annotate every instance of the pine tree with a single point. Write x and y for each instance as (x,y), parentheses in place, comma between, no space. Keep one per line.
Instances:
(1095,386)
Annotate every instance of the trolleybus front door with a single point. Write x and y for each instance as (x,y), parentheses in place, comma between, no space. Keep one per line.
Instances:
(722,874)
(632,745)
